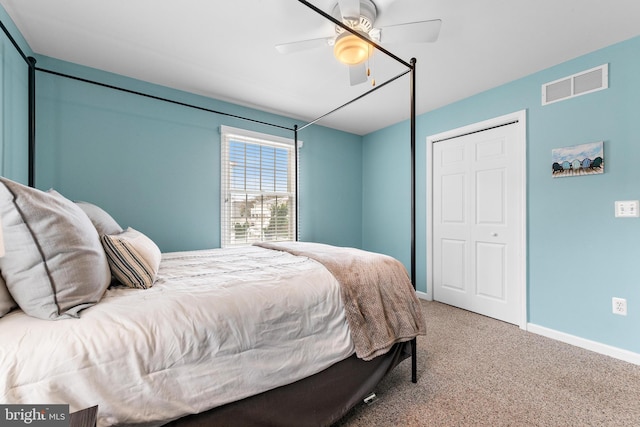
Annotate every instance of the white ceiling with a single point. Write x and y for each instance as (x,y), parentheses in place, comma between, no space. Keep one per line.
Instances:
(225,49)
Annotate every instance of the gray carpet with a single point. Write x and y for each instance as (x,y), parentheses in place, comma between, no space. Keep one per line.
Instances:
(477,371)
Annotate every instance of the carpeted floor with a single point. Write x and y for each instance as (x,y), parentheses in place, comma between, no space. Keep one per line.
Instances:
(477,371)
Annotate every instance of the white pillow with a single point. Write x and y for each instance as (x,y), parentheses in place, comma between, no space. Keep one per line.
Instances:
(54,265)
(133,257)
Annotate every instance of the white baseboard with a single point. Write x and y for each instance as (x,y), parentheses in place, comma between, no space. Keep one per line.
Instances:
(424,295)
(617,353)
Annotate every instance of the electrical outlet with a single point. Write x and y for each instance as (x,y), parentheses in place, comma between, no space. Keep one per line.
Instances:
(627,208)
(619,306)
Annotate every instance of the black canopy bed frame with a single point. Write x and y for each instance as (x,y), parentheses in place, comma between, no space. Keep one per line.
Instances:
(320,398)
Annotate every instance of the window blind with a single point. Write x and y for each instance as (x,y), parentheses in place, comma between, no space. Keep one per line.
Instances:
(258,188)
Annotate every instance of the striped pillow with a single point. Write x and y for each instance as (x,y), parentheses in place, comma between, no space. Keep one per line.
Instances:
(133,258)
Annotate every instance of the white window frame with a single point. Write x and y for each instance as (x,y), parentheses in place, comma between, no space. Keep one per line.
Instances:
(264,197)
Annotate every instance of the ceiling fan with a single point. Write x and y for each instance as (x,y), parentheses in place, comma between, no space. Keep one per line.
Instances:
(360,15)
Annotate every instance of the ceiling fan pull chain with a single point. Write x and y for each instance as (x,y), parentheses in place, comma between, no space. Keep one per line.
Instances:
(373,64)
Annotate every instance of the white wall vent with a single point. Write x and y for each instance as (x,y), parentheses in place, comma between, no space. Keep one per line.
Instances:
(578,84)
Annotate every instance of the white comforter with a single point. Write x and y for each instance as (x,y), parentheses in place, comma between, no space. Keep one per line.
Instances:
(217,326)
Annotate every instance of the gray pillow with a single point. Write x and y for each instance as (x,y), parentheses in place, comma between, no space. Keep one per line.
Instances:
(102,221)
(54,265)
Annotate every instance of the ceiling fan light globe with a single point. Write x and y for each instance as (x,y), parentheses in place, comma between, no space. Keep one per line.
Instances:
(350,49)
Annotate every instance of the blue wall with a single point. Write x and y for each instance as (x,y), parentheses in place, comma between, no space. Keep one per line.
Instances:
(14,106)
(330,187)
(387,193)
(579,255)
(155,166)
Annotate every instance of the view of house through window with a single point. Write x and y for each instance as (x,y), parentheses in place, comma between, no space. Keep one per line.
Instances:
(258,188)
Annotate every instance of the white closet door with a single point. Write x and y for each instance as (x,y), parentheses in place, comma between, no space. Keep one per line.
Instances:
(478,222)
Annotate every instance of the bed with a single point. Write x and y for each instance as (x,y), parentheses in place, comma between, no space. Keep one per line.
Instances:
(65,342)
(93,314)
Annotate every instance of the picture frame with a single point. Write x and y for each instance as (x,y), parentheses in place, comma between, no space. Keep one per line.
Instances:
(578,160)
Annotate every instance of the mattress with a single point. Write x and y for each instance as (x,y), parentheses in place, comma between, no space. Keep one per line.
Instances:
(217,326)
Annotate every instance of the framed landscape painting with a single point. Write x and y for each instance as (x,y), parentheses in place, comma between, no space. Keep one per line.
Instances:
(577,160)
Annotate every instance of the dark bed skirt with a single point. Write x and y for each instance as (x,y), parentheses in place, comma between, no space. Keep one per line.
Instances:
(318,400)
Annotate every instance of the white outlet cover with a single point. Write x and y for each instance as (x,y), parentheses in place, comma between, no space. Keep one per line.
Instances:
(619,306)
(627,209)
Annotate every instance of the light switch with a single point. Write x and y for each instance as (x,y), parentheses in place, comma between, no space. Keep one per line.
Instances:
(627,209)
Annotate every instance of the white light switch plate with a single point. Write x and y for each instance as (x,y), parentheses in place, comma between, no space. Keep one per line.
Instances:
(627,209)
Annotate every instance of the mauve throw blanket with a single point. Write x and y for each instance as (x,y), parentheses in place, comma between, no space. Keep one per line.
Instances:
(380,303)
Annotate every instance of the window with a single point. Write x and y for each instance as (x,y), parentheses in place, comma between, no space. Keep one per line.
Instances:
(258,188)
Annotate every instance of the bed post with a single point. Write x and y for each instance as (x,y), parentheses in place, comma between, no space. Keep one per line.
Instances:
(295,149)
(32,120)
(414,356)
(31,63)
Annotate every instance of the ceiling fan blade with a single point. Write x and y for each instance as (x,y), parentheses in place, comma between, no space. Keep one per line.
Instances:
(357,74)
(349,9)
(412,32)
(301,45)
